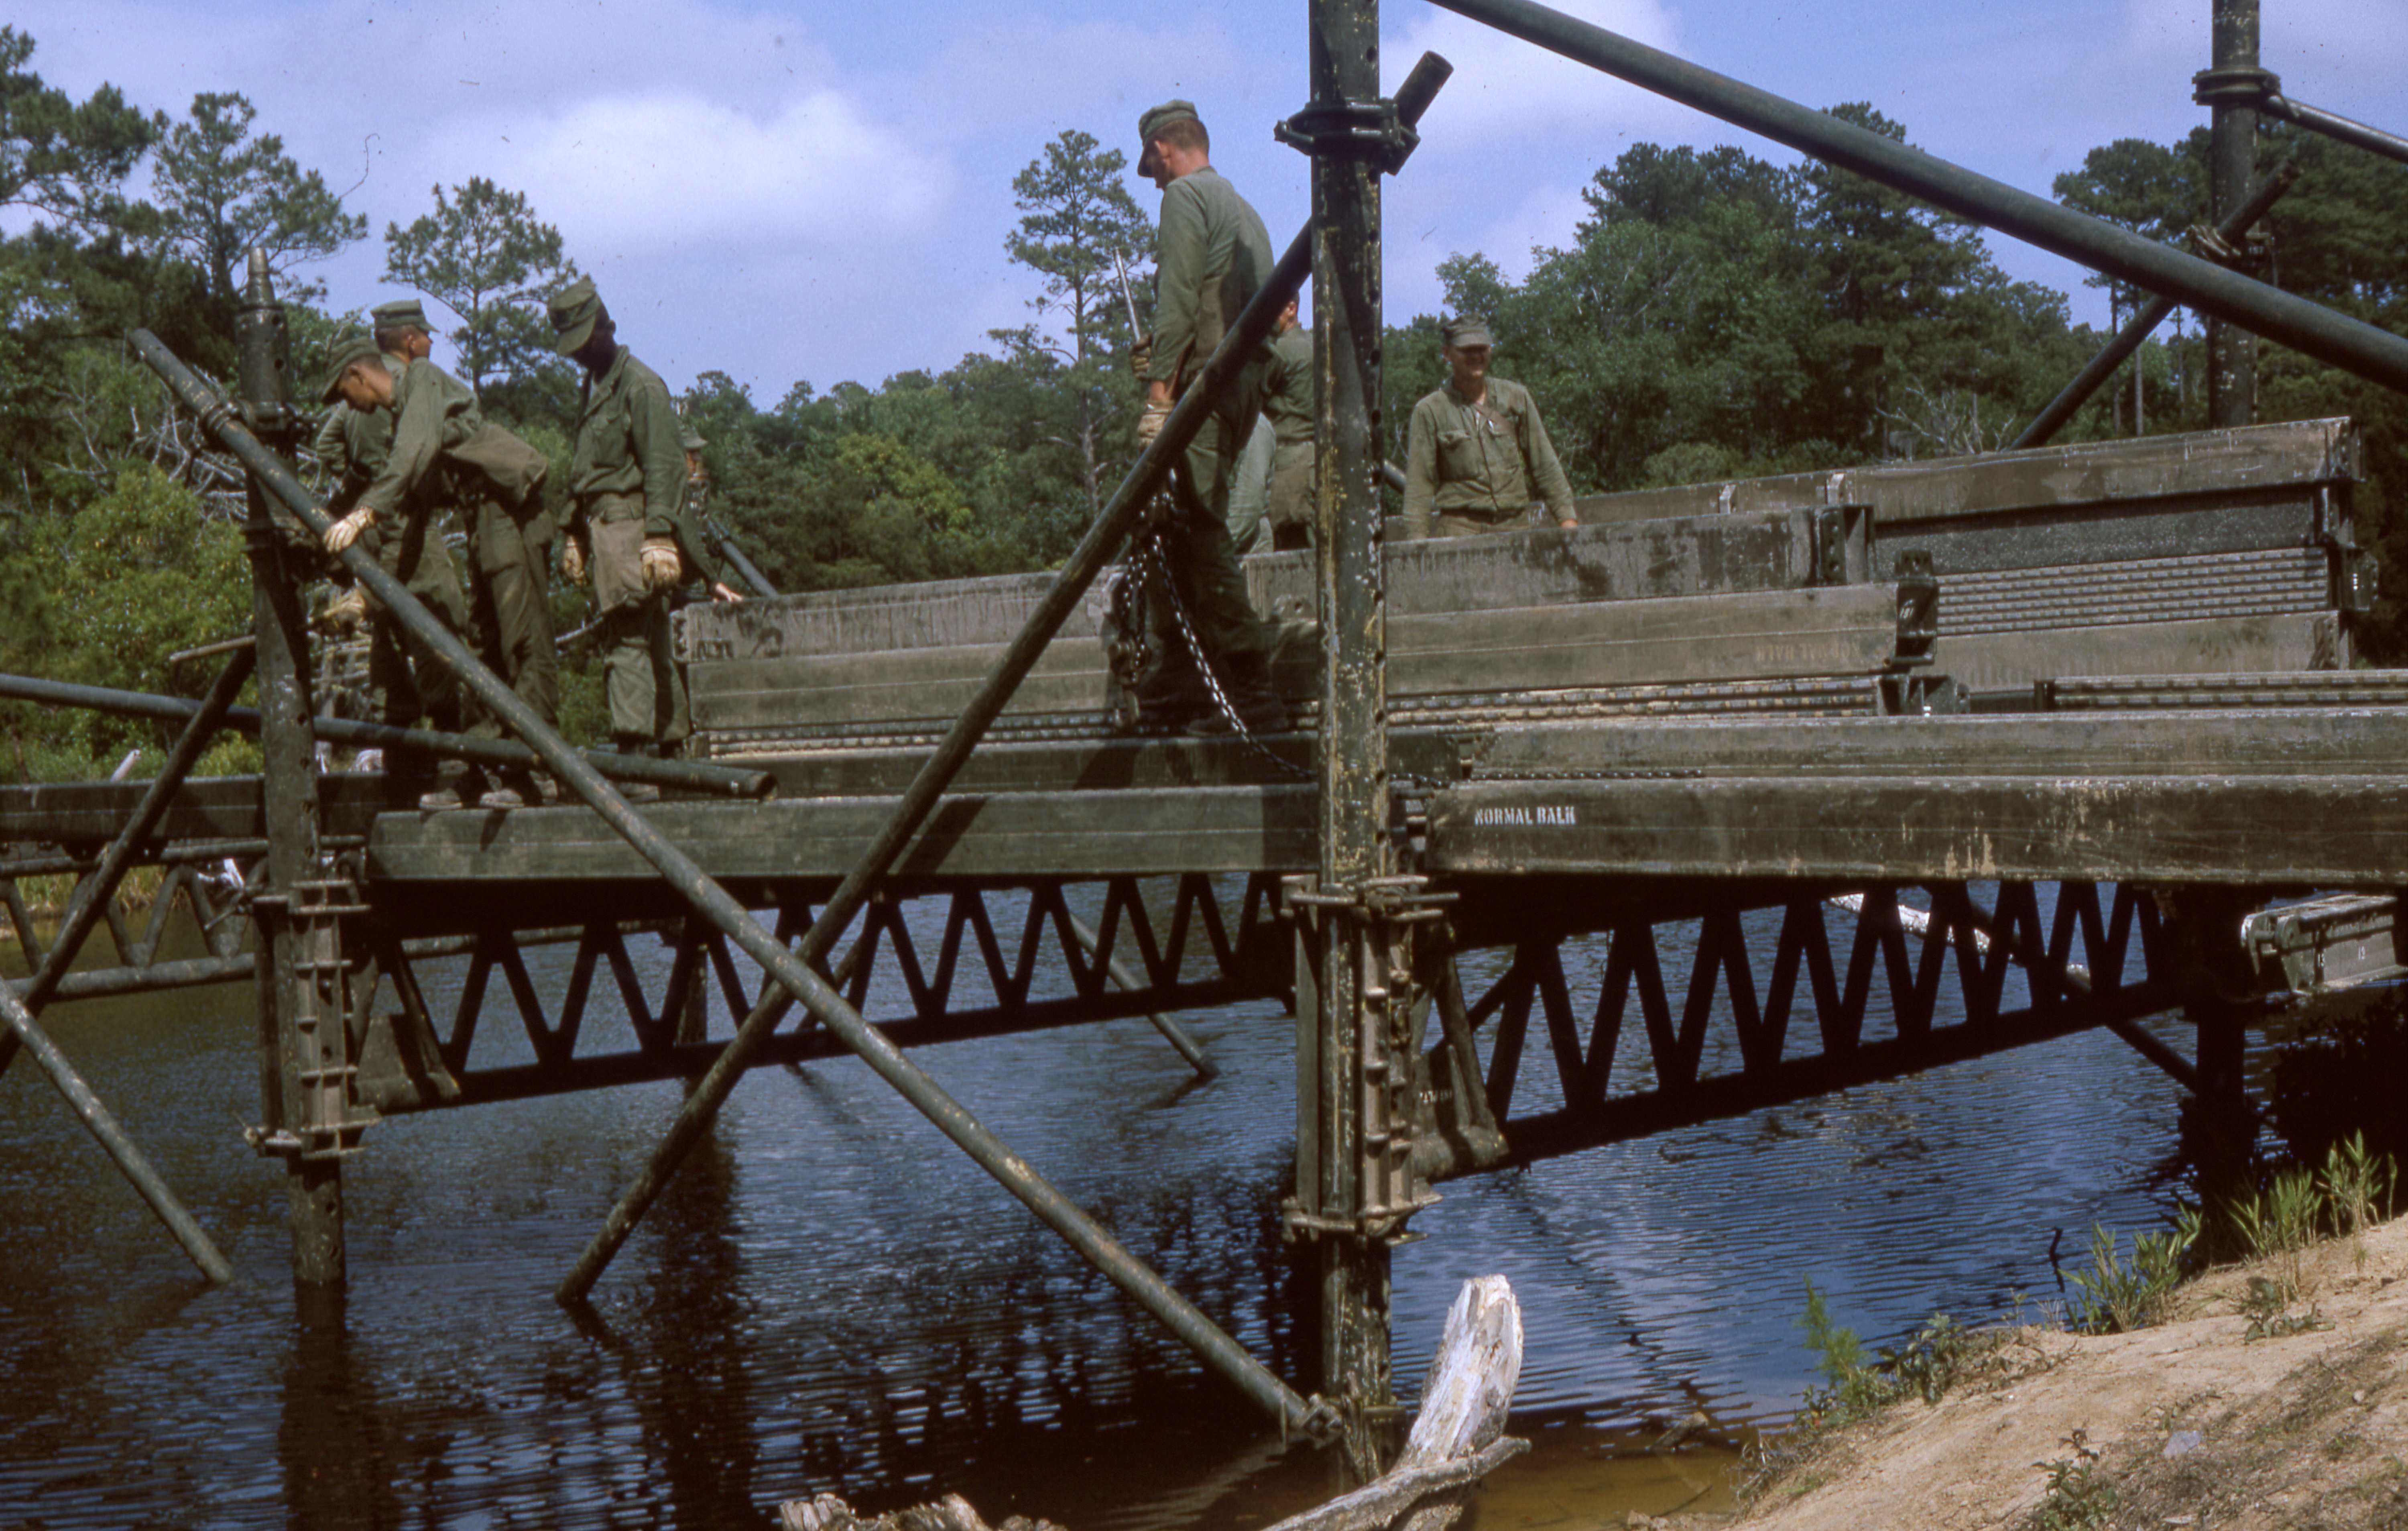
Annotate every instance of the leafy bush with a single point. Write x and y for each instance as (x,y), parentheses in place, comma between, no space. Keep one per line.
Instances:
(2115,1298)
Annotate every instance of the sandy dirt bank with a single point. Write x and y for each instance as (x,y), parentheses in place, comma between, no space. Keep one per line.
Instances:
(2195,1422)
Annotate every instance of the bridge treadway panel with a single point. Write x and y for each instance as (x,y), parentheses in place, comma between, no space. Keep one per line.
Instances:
(2267,797)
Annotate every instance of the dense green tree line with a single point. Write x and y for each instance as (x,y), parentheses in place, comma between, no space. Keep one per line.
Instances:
(1713,314)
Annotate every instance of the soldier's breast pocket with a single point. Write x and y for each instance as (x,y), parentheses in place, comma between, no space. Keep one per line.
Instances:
(1458,455)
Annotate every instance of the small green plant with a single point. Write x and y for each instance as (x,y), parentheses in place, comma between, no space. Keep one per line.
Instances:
(2115,1298)
(2077,1498)
(1931,1360)
(2356,1187)
(1854,1389)
(2280,1222)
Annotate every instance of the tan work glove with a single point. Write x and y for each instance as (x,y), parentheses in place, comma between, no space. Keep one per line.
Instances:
(346,611)
(343,533)
(572,561)
(1141,356)
(721,590)
(1149,425)
(662,569)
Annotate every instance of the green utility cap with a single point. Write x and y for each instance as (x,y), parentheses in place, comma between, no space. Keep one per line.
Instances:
(688,437)
(1150,124)
(348,353)
(1465,332)
(574,310)
(401,313)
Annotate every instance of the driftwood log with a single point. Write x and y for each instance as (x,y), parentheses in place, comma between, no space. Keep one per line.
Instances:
(827,1513)
(1458,1439)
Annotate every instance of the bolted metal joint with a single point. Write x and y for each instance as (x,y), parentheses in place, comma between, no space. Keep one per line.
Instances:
(1371,131)
(1918,609)
(2235,85)
(1406,899)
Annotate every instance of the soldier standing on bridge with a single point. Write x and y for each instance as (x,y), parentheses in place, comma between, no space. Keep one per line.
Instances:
(628,483)
(355,447)
(1211,255)
(446,454)
(509,531)
(1475,448)
(1287,404)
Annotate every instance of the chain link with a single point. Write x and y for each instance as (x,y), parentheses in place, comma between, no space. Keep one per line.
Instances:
(1146,565)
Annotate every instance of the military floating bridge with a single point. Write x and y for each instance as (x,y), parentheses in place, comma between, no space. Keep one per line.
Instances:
(1851,774)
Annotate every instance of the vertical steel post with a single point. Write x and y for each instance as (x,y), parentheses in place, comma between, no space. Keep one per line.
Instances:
(1351,1265)
(290,788)
(2230,88)
(2212,972)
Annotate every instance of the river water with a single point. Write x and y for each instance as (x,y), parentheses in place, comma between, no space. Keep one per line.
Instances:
(830,1298)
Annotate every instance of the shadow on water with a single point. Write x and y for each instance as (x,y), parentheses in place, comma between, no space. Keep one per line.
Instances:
(828,1298)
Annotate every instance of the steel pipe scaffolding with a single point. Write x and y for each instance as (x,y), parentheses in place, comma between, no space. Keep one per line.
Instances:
(273,476)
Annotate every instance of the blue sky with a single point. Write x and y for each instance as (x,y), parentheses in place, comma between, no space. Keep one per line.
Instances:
(821,192)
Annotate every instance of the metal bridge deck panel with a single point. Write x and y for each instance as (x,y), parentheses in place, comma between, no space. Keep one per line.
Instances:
(1002,835)
(2322,831)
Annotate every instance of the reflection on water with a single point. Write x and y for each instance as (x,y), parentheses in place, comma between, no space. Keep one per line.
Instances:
(829,1298)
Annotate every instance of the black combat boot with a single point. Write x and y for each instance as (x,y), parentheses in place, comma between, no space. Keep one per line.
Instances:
(636,745)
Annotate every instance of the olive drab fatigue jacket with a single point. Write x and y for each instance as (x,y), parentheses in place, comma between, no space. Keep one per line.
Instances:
(1479,461)
(1211,255)
(627,445)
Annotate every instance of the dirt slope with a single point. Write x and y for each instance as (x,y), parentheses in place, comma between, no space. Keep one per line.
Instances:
(2296,1430)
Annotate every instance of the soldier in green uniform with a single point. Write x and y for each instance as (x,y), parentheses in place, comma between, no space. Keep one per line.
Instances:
(1477,447)
(1211,255)
(509,548)
(702,584)
(1250,493)
(354,446)
(445,455)
(1287,404)
(703,580)
(627,484)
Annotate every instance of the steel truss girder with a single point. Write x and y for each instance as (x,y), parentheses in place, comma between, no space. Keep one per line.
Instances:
(138,935)
(2065,995)
(981,981)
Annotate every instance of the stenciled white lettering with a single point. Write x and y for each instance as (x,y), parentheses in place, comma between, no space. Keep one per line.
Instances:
(1520,818)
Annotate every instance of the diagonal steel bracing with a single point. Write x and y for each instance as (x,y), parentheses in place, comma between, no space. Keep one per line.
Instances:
(1840,998)
(1177,943)
(271,475)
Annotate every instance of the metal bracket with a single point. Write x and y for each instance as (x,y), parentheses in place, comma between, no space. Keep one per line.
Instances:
(1387,1227)
(2235,85)
(1839,537)
(1371,131)
(1405,899)
(1918,609)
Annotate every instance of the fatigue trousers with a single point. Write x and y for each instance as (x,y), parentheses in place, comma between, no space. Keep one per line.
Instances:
(639,678)
(1203,571)
(1293,478)
(509,591)
(408,680)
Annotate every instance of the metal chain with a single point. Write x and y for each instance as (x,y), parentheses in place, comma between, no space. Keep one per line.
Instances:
(1147,564)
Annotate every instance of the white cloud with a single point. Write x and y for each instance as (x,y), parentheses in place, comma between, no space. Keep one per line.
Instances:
(672,172)
(1503,86)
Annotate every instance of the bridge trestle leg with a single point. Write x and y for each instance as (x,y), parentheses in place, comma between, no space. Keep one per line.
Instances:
(2221,996)
(1360,1078)
(303,986)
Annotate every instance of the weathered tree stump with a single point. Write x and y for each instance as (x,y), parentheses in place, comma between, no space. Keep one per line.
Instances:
(1458,1438)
